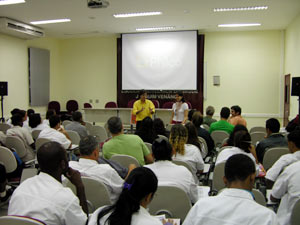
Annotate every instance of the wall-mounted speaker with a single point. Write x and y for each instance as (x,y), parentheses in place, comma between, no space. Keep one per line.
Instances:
(3,88)
(296,86)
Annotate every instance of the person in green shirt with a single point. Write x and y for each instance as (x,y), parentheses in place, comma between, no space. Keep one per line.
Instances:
(222,124)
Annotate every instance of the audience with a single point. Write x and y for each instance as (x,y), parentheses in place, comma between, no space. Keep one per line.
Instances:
(191,113)
(285,160)
(146,131)
(49,113)
(222,124)
(170,174)
(126,144)
(208,120)
(5,192)
(237,128)
(293,124)
(12,112)
(159,128)
(35,122)
(235,204)
(193,139)
(23,113)
(274,139)
(77,125)
(43,197)
(183,151)
(236,118)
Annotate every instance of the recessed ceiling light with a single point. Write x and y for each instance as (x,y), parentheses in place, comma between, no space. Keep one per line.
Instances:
(155,28)
(124,15)
(9,2)
(250,8)
(240,25)
(50,21)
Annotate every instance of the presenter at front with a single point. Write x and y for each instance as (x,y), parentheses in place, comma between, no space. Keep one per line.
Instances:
(180,109)
(142,108)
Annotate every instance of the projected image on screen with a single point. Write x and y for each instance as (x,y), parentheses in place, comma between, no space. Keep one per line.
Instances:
(159,61)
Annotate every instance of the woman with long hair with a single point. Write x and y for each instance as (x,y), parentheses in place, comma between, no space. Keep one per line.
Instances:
(130,208)
(180,109)
(237,128)
(193,138)
(146,131)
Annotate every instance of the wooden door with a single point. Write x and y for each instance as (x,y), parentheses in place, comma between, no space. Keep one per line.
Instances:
(287,91)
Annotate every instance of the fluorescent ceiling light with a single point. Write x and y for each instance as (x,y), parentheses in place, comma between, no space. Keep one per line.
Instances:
(9,2)
(250,8)
(50,21)
(240,25)
(155,28)
(124,15)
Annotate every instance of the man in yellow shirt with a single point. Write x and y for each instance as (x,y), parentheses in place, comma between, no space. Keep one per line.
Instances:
(142,108)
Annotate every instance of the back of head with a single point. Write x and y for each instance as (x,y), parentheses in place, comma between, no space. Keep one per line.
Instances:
(242,140)
(14,111)
(34,120)
(54,120)
(49,113)
(197,119)
(17,120)
(192,135)
(140,183)
(87,145)
(190,114)
(178,137)
(237,109)
(23,113)
(237,128)
(210,111)
(159,126)
(30,111)
(225,112)
(161,149)
(147,123)
(77,116)
(294,137)
(273,125)
(238,167)
(141,92)
(50,155)
(114,125)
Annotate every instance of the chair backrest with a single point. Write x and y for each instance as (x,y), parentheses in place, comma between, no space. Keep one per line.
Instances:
(217,182)
(170,199)
(218,136)
(167,105)
(183,163)
(66,122)
(272,155)
(4,127)
(257,136)
(204,145)
(224,147)
(155,103)
(125,160)
(17,144)
(149,146)
(35,134)
(72,106)
(295,217)
(99,132)
(169,127)
(8,159)
(205,126)
(259,197)
(19,220)
(163,137)
(27,173)
(88,126)
(74,136)
(257,129)
(87,105)
(130,103)
(111,105)
(96,192)
(40,141)
(54,105)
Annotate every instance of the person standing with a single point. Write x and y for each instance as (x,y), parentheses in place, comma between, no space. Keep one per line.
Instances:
(180,109)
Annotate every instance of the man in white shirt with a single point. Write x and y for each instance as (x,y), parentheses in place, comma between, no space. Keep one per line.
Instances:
(287,188)
(285,160)
(89,167)
(235,204)
(43,197)
(170,174)
(56,133)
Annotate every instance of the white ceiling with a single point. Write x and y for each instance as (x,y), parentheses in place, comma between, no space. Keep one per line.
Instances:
(183,14)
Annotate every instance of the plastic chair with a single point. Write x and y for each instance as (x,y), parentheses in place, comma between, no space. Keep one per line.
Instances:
(96,193)
(35,134)
(74,136)
(130,103)
(149,146)
(272,155)
(257,129)
(28,173)
(218,136)
(155,103)
(4,127)
(19,220)
(14,142)
(8,159)
(100,133)
(125,160)
(111,105)
(217,182)
(72,106)
(205,126)
(163,137)
(259,197)
(257,137)
(169,127)
(172,200)
(167,105)
(40,141)
(183,163)
(66,122)
(87,105)
(295,217)
(204,144)
(88,126)
(54,105)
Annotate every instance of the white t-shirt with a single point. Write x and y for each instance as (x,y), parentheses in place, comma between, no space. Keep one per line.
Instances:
(101,172)
(56,136)
(178,109)
(170,174)
(44,198)
(41,126)
(287,188)
(228,152)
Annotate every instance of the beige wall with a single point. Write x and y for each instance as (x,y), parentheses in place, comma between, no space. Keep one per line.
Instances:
(292,57)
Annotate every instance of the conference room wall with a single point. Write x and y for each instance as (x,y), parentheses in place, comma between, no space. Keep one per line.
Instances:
(292,57)
(248,64)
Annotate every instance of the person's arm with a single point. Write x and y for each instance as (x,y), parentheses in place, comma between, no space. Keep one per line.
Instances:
(130,168)
(273,199)
(186,112)
(269,183)
(172,117)
(63,131)
(253,152)
(151,108)
(149,159)
(135,110)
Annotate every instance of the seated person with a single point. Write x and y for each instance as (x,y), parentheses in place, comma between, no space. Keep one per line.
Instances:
(12,112)
(193,139)
(49,113)
(236,118)
(222,124)
(23,133)
(274,139)
(88,166)
(208,120)
(237,128)
(35,122)
(4,192)
(23,113)
(235,204)
(125,144)
(285,160)
(159,128)
(170,174)
(43,196)
(185,152)
(146,131)
(287,189)
(56,133)
(77,125)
